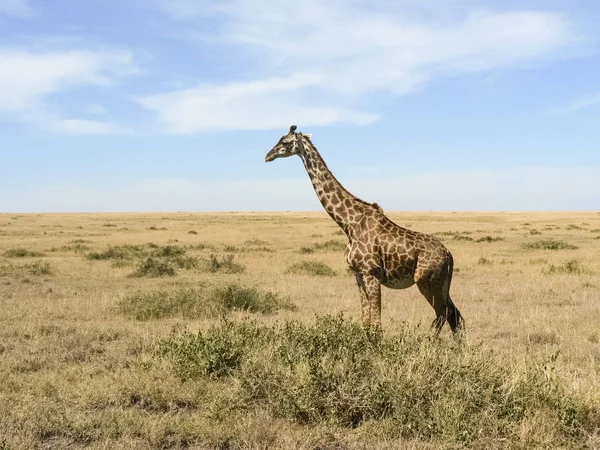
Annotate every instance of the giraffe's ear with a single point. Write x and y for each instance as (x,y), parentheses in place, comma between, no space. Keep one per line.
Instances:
(307,135)
(293,129)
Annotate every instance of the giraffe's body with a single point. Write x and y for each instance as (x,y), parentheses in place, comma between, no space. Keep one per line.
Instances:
(379,252)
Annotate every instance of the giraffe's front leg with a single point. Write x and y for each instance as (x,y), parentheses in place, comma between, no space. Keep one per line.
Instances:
(370,298)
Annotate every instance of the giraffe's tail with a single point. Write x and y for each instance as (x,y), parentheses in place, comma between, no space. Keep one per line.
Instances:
(455,318)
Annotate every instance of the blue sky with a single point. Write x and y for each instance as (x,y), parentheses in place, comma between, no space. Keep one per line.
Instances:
(171,105)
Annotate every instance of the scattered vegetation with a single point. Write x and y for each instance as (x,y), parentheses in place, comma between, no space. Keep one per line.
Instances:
(122,252)
(253,245)
(201,302)
(157,261)
(20,252)
(153,267)
(315,268)
(192,232)
(574,227)
(328,246)
(534,232)
(549,244)
(225,265)
(36,268)
(152,260)
(460,237)
(538,261)
(490,239)
(484,261)
(339,373)
(573,267)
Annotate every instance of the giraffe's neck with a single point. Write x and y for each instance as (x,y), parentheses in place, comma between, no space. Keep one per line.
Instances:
(343,207)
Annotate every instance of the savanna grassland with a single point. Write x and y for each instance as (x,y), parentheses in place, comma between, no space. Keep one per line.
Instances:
(132,331)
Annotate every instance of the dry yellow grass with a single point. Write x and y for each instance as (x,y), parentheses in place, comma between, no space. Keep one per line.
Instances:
(74,370)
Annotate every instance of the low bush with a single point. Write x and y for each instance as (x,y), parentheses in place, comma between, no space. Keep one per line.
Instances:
(201,302)
(338,372)
(20,252)
(314,268)
(489,239)
(328,246)
(573,267)
(549,244)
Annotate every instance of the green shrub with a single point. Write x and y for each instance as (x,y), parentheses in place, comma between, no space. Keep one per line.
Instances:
(37,268)
(20,252)
(251,299)
(460,237)
(151,267)
(152,260)
(79,248)
(315,268)
(331,245)
(224,265)
(146,305)
(201,302)
(549,244)
(573,267)
(120,252)
(490,239)
(338,372)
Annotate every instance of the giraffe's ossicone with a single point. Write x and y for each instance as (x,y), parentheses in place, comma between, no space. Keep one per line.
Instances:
(379,252)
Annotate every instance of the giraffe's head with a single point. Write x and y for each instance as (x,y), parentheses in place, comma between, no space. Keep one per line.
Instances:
(288,145)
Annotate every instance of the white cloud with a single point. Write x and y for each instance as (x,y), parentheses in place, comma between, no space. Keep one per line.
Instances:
(16,8)
(578,104)
(264,104)
(477,190)
(354,51)
(28,80)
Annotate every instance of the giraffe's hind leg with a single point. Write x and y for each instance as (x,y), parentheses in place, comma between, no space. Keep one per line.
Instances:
(437,294)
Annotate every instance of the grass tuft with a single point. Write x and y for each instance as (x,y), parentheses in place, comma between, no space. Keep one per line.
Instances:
(490,239)
(20,252)
(314,268)
(251,299)
(549,244)
(37,268)
(328,246)
(153,268)
(201,302)
(224,265)
(572,267)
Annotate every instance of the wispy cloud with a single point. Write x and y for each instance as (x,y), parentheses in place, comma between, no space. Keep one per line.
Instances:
(353,51)
(263,104)
(578,104)
(28,80)
(16,8)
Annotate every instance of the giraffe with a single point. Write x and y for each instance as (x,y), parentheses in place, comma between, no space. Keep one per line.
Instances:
(379,252)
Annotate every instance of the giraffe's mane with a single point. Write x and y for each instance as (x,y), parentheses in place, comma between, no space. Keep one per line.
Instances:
(375,205)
